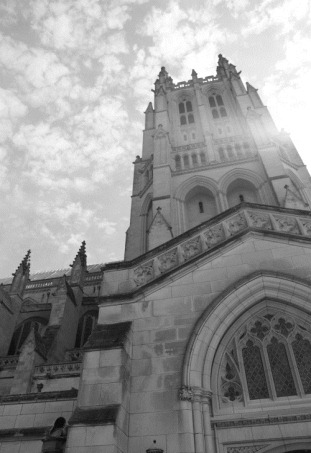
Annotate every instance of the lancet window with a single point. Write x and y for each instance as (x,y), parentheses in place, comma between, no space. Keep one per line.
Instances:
(85,328)
(268,358)
(22,332)
(185,113)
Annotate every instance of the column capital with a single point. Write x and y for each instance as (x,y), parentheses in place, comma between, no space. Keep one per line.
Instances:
(196,394)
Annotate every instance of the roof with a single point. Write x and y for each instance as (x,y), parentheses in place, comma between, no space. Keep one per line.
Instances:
(46,275)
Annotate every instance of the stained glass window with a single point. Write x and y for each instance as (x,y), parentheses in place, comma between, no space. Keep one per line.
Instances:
(282,375)
(302,352)
(275,352)
(254,371)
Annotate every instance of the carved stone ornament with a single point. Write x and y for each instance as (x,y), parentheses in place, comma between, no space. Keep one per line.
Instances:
(167,261)
(213,236)
(236,224)
(185,393)
(287,224)
(191,248)
(260,220)
(246,448)
(306,224)
(143,274)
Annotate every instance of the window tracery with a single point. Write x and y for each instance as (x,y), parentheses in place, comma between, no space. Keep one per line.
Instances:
(267,358)
(22,332)
(185,113)
(216,104)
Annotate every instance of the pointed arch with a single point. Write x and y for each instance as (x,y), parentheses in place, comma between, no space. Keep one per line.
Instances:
(264,193)
(230,306)
(196,185)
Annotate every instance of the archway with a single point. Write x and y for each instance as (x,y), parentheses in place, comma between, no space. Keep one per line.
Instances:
(200,205)
(241,190)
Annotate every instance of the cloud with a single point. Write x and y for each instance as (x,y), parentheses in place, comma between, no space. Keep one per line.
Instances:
(284,15)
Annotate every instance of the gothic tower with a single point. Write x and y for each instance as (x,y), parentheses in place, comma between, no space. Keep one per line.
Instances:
(208,144)
(200,340)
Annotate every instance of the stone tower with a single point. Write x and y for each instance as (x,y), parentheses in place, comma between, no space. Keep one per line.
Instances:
(200,340)
(208,144)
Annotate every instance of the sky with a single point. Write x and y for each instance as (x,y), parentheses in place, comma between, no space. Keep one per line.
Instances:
(75,79)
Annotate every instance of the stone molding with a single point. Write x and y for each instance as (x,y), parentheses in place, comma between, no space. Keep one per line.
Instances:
(9,361)
(43,396)
(246,448)
(58,370)
(262,421)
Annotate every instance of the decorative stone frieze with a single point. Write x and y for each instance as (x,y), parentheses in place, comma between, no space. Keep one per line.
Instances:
(143,274)
(8,361)
(242,218)
(261,421)
(246,448)
(58,370)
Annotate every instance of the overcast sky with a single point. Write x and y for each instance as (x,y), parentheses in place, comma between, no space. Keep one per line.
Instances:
(76,77)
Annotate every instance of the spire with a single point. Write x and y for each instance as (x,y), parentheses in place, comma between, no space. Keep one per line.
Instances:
(24,264)
(79,266)
(21,275)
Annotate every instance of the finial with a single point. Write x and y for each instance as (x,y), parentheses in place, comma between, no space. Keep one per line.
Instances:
(194,73)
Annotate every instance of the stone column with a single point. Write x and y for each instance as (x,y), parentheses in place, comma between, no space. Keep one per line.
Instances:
(208,433)
(202,429)
(197,420)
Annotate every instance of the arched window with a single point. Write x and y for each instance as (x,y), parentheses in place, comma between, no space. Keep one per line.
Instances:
(223,112)
(194,160)
(85,327)
(186,161)
(230,152)
(185,113)
(22,332)
(238,150)
(200,205)
(246,147)
(241,187)
(221,153)
(203,158)
(216,104)
(268,357)
(219,100)
(177,163)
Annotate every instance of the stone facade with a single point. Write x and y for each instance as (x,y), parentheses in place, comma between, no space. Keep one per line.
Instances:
(200,340)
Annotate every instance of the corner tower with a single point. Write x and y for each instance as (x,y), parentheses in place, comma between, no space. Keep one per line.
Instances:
(209,144)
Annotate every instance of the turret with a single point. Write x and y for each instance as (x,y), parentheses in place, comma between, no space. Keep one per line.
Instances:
(149,117)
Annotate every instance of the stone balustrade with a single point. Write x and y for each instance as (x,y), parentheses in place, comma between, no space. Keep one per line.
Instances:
(212,234)
(9,361)
(57,370)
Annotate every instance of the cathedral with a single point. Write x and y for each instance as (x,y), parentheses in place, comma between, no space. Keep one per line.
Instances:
(200,340)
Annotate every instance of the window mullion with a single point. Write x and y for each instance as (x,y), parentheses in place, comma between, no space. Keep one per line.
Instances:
(294,369)
(266,364)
